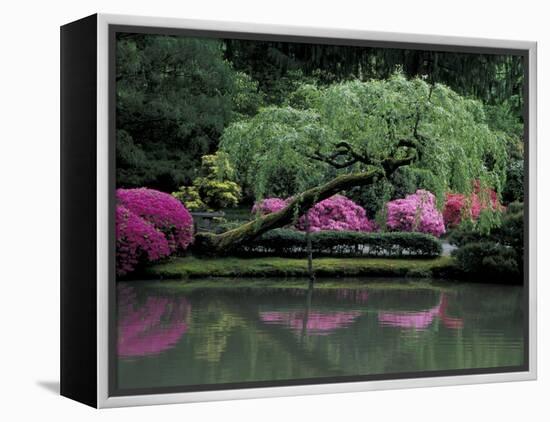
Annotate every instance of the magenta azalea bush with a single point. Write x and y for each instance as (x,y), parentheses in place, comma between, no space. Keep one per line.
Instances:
(163,211)
(337,213)
(150,225)
(136,241)
(269,206)
(415,213)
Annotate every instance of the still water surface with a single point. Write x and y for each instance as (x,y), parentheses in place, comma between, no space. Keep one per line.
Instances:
(171,335)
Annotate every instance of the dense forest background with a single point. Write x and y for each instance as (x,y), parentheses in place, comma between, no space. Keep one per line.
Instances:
(176,95)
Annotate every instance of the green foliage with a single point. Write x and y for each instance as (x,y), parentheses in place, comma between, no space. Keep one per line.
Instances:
(131,161)
(373,198)
(495,253)
(502,117)
(488,259)
(268,151)
(466,233)
(175,95)
(292,243)
(304,96)
(190,197)
(280,89)
(403,182)
(272,151)
(509,232)
(513,190)
(218,194)
(212,189)
(247,98)
(492,78)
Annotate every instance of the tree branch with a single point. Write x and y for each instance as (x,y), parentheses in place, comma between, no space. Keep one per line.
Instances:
(331,159)
(390,165)
(216,244)
(344,149)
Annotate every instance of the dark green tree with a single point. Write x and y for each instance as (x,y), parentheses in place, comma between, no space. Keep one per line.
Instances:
(494,79)
(175,95)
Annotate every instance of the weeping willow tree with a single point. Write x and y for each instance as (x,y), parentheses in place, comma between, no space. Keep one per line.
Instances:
(328,140)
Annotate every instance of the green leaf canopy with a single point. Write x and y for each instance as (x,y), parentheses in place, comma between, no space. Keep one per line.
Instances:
(278,151)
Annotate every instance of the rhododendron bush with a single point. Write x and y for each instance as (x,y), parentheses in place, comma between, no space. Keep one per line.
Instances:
(150,225)
(163,211)
(415,213)
(136,240)
(336,213)
(459,206)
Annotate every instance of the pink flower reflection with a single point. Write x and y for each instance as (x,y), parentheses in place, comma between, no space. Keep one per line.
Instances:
(149,328)
(318,323)
(422,319)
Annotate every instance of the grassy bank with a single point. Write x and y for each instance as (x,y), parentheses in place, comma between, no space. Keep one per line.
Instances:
(191,267)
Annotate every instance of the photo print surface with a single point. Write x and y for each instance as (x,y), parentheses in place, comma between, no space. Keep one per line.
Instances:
(296,211)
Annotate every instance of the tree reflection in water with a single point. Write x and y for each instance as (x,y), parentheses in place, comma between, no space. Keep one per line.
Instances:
(152,327)
(421,320)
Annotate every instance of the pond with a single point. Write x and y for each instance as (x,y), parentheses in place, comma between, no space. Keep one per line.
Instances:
(176,334)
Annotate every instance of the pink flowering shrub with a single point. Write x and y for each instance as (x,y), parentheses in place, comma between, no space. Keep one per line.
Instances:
(269,206)
(415,213)
(459,206)
(163,211)
(337,213)
(136,241)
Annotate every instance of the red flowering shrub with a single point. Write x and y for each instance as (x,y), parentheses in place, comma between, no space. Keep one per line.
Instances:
(163,211)
(453,209)
(136,241)
(415,213)
(458,206)
(337,213)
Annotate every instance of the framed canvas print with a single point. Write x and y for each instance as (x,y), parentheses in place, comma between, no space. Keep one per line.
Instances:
(252,210)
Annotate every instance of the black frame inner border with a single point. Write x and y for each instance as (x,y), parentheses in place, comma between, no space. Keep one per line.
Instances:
(114,29)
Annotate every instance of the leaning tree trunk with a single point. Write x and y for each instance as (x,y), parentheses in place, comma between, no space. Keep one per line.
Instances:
(310,272)
(208,243)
